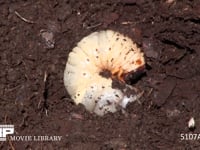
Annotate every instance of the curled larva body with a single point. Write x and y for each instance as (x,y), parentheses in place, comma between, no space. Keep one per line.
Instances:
(97,52)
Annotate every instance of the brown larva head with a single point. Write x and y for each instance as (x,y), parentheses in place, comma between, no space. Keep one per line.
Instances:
(132,77)
(130,71)
(129,77)
(123,57)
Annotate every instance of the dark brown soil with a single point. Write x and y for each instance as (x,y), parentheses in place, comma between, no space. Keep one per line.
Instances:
(36,37)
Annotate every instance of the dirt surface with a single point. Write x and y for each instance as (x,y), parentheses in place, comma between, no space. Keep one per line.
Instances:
(36,37)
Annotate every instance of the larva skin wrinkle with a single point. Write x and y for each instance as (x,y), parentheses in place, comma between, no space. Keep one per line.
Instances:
(105,50)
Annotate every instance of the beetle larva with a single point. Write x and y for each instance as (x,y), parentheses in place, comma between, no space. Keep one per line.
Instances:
(104,51)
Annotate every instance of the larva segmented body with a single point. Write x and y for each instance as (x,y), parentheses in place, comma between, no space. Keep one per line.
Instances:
(100,51)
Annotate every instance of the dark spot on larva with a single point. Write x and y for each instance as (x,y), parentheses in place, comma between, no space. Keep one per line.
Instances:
(84,74)
(109,49)
(117,39)
(105,73)
(124,39)
(88,59)
(117,95)
(108,102)
(112,59)
(138,62)
(92,87)
(124,57)
(132,49)
(128,52)
(117,34)
(97,57)
(107,110)
(75,97)
(96,101)
(98,98)
(96,49)
(103,87)
(78,94)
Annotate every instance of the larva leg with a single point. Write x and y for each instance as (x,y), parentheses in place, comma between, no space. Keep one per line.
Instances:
(118,72)
(119,75)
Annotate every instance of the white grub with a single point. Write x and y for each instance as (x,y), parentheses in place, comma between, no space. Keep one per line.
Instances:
(191,123)
(104,50)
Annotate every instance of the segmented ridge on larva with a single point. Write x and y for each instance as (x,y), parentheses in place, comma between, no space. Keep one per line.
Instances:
(99,51)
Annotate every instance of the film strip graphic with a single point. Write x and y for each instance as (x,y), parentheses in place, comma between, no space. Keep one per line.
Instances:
(3,130)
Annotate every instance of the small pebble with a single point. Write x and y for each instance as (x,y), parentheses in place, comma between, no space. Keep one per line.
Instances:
(149,50)
(191,123)
(49,39)
(77,116)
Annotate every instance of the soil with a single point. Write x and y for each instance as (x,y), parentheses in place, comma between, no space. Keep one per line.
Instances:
(36,37)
